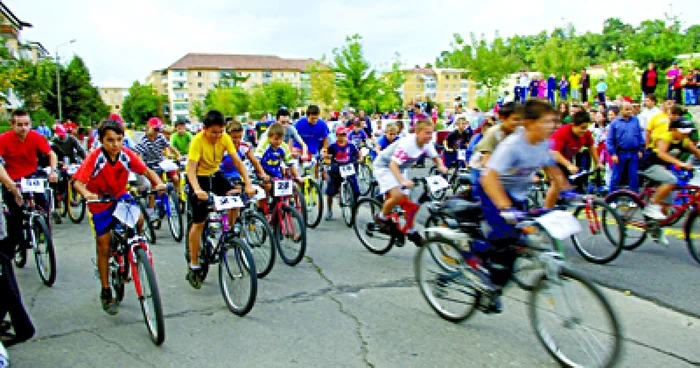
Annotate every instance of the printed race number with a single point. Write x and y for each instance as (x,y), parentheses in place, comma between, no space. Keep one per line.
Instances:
(127,213)
(347,170)
(32,185)
(222,203)
(283,188)
(436,183)
(462,154)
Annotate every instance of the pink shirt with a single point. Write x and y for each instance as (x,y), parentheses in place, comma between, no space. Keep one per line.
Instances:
(672,73)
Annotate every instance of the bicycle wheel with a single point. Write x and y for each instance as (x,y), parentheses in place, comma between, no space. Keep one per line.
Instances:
(587,336)
(44,252)
(258,235)
(528,269)
(149,297)
(347,203)
(237,277)
(448,256)
(115,278)
(446,290)
(75,205)
(367,230)
(629,207)
(175,217)
(440,194)
(692,235)
(364,179)
(299,202)
(313,198)
(291,235)
(602,235)
(148,229)
(62,205)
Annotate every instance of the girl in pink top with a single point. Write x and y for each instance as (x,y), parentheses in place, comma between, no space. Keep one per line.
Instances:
(542,88)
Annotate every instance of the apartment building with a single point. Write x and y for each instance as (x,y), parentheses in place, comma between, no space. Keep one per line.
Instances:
(441,85)
(190,78)
(114,97)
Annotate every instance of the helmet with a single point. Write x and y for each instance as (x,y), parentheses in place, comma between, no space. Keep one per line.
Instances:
(341,130)
(683,125)
(155,123)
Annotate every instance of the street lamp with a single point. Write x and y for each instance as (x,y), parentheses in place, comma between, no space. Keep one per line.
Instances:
(58,80)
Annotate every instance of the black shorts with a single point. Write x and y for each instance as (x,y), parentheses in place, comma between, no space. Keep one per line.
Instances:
(216,184)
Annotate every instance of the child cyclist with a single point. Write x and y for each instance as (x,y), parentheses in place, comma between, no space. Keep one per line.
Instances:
(340,153)
(388,167)
(357,135)
(456,140)
(105,172)
(203,176)
(391,134)
(504,187)
(274,153)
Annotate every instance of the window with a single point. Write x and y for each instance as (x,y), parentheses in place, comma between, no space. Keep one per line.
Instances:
(199,74)
(116,107)
(455,86)
(253,75)
(213,74)
(253,84)
(180,106)
(447,86)
(226,74)
(202,96)
(267,74)
(280,75)
(180,95)
(465,85)
(200,85)
(447,95)
(213,85)
(292,75)
(179,73)
(447,76)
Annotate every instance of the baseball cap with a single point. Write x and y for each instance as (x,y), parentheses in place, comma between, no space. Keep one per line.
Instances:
(116,117)
(60,130)
(683,125)
(340,130)
(155,123)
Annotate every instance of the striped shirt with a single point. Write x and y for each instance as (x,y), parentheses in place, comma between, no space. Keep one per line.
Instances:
(152,151)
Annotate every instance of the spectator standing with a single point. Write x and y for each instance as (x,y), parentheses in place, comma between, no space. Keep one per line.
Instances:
(671,75)
(649,80)
(691,88)
(650,110)
(575,85)
(43,130)
(563,89)
(551,88)
(625,145)
(585,85)
(678,87)
(524,86)
(516,90)
(601,88)
(534,87)
(542,88)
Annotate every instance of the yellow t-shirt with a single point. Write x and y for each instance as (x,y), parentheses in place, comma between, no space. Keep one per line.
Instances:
(209,155)
(657,125)
(676,147)
(575,81)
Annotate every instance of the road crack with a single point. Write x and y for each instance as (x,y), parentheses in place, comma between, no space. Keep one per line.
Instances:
(122,348)
(364,345)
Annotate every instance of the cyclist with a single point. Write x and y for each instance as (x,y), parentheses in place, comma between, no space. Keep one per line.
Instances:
(67,150)
(340,153)
(19,148)
(668,146)
(456,140)
(388,168)
(182,138)
(357,136)
(152,149)
(568,140)
(504,186)
(261,127)
(203,175)
(314,132)
(274,153)
(390,136)
(128,141)
(291,135)
(105,172)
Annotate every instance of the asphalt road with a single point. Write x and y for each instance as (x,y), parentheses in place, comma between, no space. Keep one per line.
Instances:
(341,306)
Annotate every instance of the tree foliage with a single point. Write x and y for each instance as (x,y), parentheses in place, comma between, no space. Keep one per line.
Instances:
(230,101)
(358,84)
(322,80)
(142,103)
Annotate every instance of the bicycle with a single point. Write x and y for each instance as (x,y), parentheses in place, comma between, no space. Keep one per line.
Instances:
(631,206)
(166,205)
(454,291)
(347,194)
(310,200)
(369,231)
(459,178)
(142,200)
(71,202)
(131,255)
(365,173)
(36,234)
(238,278)
(287,223)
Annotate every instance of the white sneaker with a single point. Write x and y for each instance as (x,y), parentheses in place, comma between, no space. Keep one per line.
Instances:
(329,215)
(663,240)
(654,211)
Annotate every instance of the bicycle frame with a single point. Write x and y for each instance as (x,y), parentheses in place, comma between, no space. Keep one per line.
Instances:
(693,200)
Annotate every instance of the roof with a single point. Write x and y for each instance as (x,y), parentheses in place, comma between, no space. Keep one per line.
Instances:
(224,61)
(13,18)
(421,71)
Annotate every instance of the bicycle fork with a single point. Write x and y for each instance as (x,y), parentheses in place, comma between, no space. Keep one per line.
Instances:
(562,295)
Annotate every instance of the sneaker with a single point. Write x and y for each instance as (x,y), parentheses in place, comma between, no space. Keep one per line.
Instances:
(386,225)
(416,238)
(109,303)
(653,211)
(662,239)
(194,276)
(329,215)
(496,305)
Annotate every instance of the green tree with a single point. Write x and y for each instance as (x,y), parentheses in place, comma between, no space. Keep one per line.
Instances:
(389,83)
(358,84)
(622,80)
(614,38)
(198,110)
(142,103)
(10,72)
(231,101)
(322,80)
(656,41)
(559,56)
(36,87)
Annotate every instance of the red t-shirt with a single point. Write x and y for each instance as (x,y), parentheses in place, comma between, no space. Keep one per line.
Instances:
(21,157)
(568,144)
(651,78)
(103,177)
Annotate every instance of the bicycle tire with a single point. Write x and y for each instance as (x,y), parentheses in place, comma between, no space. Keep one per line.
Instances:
(546,338)
(314,191)
(148,229)
(115,279)
(627,209)
(293,254)
(62,206)
(76,215)
(45,267)
(366,228)
(145,268)
(434,282)
(608,214)
(449,255)
(299,202)
(364,179)
(347,203)
(174,218)
(237,262)
(693,242)
(261,241)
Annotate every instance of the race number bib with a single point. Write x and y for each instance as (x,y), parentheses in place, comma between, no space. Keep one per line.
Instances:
(559,224)
(283,188)
(436,183)
(347,170)
(168,165)
(127,213)
(72,169)
(364,151)
(32,185)
(462,154)
(259,193)
(132,177)
(222,203)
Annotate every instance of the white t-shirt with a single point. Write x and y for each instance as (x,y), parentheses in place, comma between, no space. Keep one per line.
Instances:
(404,152)
(646,115)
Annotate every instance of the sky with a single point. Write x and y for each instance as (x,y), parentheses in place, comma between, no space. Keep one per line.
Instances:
(123,41)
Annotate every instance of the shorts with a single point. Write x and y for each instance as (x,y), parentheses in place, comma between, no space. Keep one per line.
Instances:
(103,222)
(217,184)
(334,181)
(660,174)
(387,181)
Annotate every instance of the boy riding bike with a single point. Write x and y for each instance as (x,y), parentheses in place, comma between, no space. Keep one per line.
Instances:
(105,172)
(388,168)
(273,154)
(340,153)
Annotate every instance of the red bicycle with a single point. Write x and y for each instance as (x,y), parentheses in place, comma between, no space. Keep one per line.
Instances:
(287,223)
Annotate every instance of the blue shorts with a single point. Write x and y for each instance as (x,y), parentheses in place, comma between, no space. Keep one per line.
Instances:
(103,222)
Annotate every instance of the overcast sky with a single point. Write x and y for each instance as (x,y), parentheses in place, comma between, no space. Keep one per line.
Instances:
(125,40)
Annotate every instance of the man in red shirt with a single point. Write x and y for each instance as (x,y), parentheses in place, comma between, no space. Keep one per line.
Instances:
(568,140)
(19,148)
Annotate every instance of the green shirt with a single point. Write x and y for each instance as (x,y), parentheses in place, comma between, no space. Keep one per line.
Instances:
(181,142)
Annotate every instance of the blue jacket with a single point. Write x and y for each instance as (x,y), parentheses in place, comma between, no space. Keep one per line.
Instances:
(625,135)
